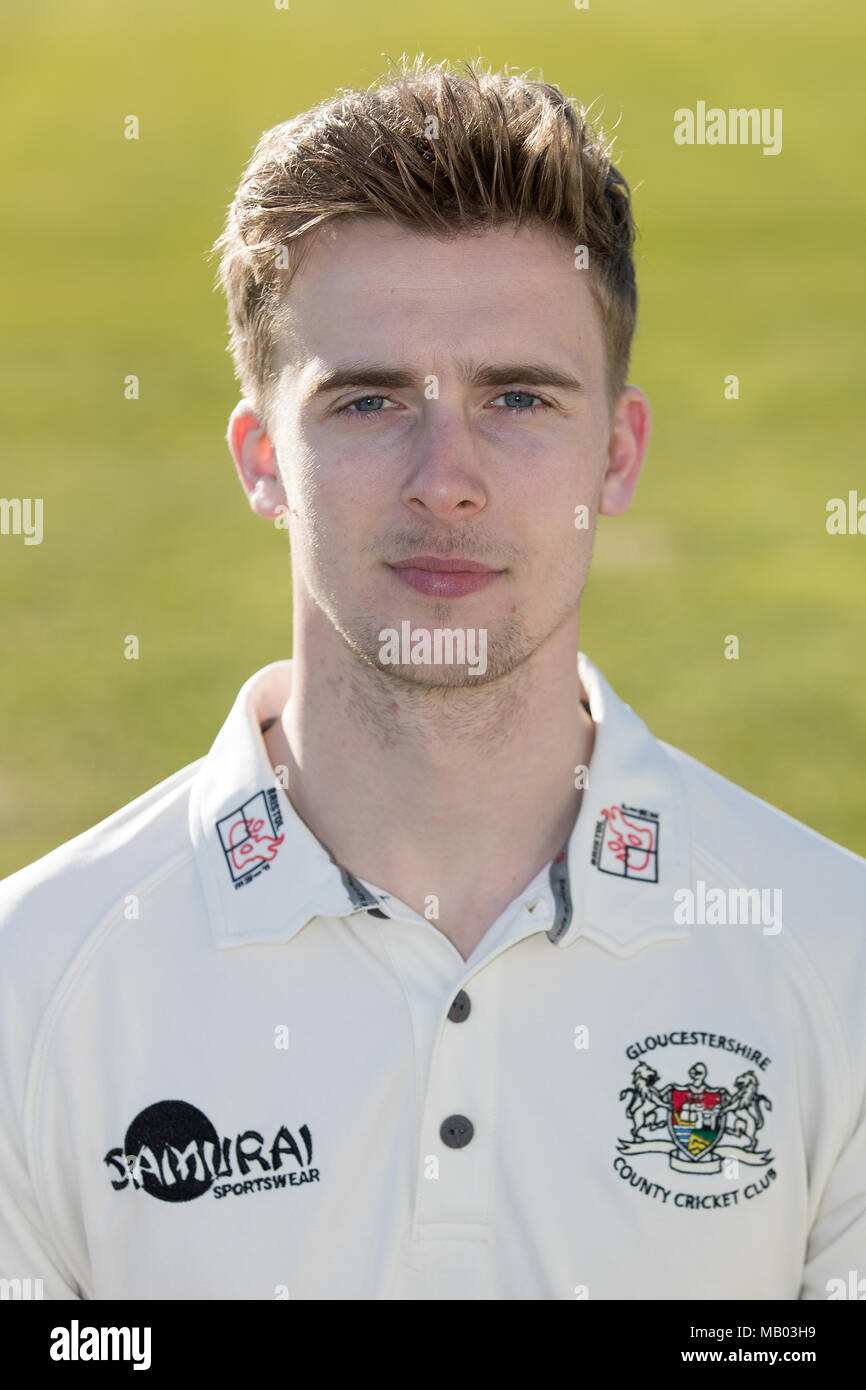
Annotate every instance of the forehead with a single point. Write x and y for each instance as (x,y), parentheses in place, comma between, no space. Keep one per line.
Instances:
(370,285)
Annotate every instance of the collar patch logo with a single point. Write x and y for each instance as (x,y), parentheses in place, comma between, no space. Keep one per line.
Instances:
(249,836)
(696,1117)
(626,843)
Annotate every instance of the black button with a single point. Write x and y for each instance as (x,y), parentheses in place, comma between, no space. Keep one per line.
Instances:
(460,1008)
(456,1131)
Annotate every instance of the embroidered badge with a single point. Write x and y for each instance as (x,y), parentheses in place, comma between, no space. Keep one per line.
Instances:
(696,1117)
(249,836)
(172,1152)
(704,1129)
(626,843)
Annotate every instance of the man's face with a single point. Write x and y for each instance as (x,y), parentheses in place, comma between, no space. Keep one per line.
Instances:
(442,400)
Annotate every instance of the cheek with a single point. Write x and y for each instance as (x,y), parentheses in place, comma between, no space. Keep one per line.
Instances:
(333,515)
(315,488)
(557,512)
(561,540)
(339,484)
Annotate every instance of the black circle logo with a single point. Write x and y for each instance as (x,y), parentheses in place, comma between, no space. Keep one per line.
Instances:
(173,1132)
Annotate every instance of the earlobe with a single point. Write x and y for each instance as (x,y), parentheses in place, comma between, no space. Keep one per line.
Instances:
(255,461)
(626,451)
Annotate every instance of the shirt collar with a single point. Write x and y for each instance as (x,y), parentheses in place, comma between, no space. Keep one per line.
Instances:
(264,874)
(629,850)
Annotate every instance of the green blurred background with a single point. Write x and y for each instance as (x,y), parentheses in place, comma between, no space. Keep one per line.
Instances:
(747,264)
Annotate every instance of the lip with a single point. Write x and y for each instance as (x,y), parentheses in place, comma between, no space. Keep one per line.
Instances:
(455,564)
(444,578)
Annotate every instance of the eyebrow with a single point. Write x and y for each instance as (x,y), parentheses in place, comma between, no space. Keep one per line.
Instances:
(387,377)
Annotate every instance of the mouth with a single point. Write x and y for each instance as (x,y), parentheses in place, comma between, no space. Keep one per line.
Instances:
(444,578)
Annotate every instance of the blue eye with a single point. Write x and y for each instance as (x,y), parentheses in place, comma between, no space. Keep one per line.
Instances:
(367,404)
(521,402)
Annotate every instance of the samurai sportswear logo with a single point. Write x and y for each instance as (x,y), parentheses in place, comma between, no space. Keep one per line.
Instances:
(173,1152)
(702,1128)
(626,843)
(247,845)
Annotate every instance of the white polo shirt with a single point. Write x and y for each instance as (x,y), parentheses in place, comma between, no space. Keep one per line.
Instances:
(230,1070)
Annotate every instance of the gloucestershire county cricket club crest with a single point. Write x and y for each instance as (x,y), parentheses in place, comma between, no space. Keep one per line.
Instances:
(696,1117)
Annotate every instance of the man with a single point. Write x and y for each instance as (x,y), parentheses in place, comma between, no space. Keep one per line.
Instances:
(439,977)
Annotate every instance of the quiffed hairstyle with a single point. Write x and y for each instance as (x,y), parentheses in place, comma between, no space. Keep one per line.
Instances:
(437,152)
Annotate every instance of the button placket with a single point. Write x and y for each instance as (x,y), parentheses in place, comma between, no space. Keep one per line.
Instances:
(457,1130)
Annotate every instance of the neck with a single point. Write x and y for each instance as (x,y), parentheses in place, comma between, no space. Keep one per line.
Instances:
(465,794)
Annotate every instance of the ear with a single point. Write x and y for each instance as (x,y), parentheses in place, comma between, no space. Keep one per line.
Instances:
(626,450)
(255,461)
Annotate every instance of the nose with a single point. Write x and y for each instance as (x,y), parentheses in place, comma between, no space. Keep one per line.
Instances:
(445,478)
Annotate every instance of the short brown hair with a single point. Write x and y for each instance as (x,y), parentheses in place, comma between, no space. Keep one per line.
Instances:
(437,152)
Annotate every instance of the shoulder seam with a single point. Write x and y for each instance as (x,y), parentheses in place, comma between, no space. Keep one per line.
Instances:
(768,806)
(803,961)
(71,977)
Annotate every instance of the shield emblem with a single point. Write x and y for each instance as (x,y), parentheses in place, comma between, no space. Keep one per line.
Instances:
(695,1120)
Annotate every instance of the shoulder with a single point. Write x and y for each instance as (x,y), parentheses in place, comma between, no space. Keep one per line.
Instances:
(52,909)
(814,889)
(764,845)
